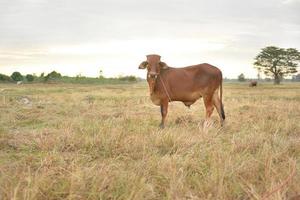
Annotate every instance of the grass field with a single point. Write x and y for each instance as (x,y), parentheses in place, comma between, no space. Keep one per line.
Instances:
(103,142)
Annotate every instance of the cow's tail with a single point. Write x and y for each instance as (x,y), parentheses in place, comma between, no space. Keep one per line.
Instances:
(221,101)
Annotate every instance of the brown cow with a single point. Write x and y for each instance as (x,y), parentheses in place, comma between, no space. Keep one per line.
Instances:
(253,83)
(185,84)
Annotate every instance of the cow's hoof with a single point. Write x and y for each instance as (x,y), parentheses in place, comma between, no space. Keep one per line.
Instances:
(222,123)
(162,126)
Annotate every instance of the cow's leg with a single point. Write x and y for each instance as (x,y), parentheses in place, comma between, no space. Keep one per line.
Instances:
(163,111)
(208,102)
(217,104)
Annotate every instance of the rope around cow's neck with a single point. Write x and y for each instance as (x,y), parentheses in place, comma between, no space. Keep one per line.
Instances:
(161,80)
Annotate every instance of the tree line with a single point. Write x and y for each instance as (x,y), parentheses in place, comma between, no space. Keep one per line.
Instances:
(54,76)
(242,78)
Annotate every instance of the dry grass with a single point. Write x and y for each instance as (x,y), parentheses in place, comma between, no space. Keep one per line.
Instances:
(103,142)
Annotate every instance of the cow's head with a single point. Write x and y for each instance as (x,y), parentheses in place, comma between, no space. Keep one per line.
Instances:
(154,67)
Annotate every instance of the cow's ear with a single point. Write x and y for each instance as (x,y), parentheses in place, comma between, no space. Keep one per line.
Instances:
(163,65)
(143,65)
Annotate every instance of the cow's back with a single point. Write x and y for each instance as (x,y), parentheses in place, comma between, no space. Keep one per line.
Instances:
(192,82)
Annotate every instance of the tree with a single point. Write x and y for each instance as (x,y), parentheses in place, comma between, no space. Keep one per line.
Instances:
(53,76)
(29,77)
(16,76)
(277,62)
(258,76)
(3,77)
(101,74)
(241,77)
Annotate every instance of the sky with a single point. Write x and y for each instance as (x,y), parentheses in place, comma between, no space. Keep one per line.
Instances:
(85,36)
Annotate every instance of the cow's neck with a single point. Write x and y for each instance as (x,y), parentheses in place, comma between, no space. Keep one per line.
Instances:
(158,80)
(157,85)
(154,96)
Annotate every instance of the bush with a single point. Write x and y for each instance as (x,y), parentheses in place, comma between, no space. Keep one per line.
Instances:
(241,78)
(53,76)
(16,76)
(128,78)
(3,77)
(296,78)
(29,77)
